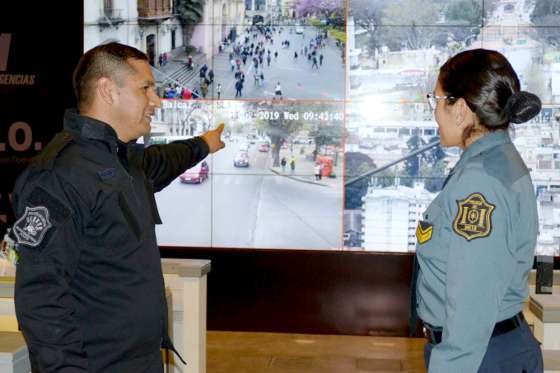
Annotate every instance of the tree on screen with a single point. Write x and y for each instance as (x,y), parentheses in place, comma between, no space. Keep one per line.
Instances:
(356,164)
(389,26)
(277,127)
(409,36)
(547,13)
(367,13)
(434,176)
(467,12)
(545,8)
(386,178)
(466,16)
(325,134)
(323,8)
(412,165)
(434,167)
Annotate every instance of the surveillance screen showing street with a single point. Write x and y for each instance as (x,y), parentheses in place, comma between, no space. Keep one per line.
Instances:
(276,184)
(330,142)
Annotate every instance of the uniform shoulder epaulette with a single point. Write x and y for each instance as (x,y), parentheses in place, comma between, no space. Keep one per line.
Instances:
(55,147)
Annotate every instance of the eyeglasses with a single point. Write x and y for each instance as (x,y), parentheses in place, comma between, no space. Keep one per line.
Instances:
(433,99)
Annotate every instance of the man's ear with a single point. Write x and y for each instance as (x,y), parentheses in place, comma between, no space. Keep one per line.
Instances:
(107,90)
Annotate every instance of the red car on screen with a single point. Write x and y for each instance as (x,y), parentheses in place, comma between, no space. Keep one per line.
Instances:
(196,174)
(265,147)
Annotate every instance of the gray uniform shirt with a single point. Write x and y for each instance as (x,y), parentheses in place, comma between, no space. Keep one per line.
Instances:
(475,249)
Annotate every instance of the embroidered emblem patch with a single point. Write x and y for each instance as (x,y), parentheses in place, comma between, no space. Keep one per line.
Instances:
(31,228)
(474,217)
(424,232)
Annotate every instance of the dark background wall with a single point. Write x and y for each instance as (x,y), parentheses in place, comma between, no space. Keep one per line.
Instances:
(249,290)
(305,291)
(46,43)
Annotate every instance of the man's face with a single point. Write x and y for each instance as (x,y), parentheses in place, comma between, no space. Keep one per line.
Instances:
(137,100)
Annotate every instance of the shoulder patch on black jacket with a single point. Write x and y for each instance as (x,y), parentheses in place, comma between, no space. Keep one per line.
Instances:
(42,212)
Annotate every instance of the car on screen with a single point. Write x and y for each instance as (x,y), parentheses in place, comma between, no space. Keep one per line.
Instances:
(299,30)
(244,147)
(264,147)
(196,174)
(241,160)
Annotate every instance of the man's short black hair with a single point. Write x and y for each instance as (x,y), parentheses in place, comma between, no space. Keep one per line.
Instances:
(106,60)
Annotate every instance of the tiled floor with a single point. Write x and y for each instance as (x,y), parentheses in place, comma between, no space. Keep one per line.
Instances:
(234,352)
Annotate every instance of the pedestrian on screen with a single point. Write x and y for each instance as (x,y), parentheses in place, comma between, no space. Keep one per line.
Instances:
(238,88)
(317,170)
(278,91)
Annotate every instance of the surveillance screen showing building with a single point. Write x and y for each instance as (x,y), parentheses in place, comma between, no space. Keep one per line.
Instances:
(330,142)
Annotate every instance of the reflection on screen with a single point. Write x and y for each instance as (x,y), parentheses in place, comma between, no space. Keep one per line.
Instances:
(318,94)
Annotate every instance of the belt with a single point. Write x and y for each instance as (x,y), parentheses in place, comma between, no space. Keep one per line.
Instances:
(433,334)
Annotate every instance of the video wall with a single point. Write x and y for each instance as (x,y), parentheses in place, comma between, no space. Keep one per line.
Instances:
(316,95)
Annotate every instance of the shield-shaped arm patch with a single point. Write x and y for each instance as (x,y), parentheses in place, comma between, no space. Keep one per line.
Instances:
(31,228)
(474,217)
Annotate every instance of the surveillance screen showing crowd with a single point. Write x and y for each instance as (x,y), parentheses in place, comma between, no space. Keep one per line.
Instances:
(317,95)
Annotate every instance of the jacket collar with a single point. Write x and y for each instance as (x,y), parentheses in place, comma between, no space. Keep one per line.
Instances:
(483,144)
(94,129)
(89,128)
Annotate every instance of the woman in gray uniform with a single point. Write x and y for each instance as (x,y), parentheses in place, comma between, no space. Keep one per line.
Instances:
(476,240)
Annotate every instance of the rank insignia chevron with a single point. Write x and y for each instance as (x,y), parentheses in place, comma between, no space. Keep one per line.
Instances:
(423,232)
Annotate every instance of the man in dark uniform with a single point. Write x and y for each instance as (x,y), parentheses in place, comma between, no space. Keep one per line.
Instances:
(89,287)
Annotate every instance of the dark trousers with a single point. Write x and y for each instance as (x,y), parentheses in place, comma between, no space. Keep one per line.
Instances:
(515,352)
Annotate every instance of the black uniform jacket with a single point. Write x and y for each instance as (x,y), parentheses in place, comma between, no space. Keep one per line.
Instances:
(89,287)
